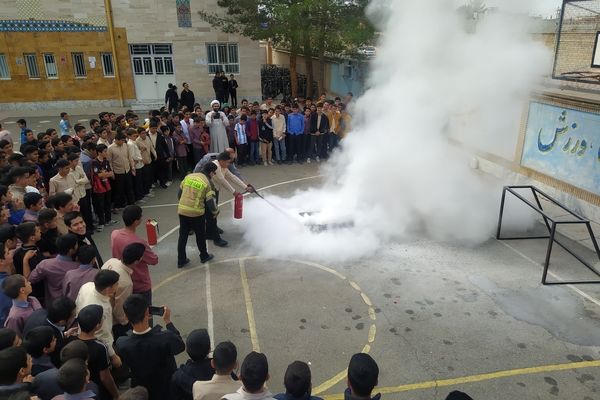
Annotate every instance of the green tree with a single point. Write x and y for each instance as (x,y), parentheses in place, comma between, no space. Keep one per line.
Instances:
(314,28)
(276,20)
(339,27)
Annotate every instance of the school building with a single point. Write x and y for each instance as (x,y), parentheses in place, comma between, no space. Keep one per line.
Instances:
(94,53)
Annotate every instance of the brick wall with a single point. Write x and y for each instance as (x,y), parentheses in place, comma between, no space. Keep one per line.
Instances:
(85,11)
(575,52)
(20,88)
(156,22)
(138,21)
(282,57)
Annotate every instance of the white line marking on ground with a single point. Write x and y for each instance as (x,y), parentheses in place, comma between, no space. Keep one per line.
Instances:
(82,120)
(166,234)
(249,307)
(230,200)
(161,205)
(328,383)
(9,122)
(44,122)
(555,276)
(209,306)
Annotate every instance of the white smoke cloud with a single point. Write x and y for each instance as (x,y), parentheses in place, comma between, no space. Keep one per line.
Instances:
(398,176)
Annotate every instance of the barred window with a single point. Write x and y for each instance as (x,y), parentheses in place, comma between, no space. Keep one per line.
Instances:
(223,57)
(50,65)
(32,66)
(4,71)
(107,65)
(78,65)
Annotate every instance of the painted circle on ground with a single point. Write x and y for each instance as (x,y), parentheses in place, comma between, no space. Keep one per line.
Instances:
(328,383)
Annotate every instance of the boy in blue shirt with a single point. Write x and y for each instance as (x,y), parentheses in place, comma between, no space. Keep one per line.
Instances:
(241,140)
(295,126)
(22,124)
(64,124)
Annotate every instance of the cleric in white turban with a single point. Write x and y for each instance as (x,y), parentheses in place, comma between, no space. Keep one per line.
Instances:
(217,121)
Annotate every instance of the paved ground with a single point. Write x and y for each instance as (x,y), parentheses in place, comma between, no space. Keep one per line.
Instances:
(436,317)
(427,311)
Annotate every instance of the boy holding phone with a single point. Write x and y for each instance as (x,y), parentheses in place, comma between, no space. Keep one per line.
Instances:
(150,352)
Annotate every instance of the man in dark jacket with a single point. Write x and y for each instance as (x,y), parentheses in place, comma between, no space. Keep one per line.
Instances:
(319,126)
(76,225)
(171,98)
(216,82)
(197,368)
(187,97)
(15,372)
(149,352)
(224,87)
(163,155)
(298,383)
(363,376)
(59,317)
(233,85)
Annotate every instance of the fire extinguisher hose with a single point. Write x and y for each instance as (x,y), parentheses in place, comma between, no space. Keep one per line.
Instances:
(278,209)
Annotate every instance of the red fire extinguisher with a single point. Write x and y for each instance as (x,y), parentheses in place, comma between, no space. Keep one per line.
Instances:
(238,206)
(152,231)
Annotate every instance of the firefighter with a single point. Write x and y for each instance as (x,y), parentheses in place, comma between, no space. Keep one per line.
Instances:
(196,201)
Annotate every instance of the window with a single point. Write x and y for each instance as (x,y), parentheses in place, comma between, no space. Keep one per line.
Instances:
(137,66)
(223,57)
(107,64)
(596,55)
(32,66)
(162,48)
(147,65)
(168,66)
(163,65)
(78,65)
(50,64)
(152,59)
(139,49)
(4,71)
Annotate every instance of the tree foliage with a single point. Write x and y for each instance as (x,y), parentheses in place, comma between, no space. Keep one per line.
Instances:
(473,9)
(313,28)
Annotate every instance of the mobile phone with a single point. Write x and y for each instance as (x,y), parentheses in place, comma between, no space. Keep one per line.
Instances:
(160,311)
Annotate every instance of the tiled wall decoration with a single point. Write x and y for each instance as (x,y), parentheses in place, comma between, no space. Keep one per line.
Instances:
(184,13)
(22,25)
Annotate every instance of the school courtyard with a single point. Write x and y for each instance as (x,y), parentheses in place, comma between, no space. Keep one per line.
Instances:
(436,317)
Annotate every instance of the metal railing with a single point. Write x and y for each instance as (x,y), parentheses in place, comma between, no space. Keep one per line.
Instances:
(551,224)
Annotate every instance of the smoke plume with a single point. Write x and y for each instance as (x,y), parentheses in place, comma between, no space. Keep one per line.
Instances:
(440,88)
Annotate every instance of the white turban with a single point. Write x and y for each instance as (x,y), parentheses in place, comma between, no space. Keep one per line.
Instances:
(212,103)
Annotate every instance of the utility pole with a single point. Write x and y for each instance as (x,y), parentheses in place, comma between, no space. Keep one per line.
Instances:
(113,44)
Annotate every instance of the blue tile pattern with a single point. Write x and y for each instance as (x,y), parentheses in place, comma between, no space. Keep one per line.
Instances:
(184,13)
(22,25)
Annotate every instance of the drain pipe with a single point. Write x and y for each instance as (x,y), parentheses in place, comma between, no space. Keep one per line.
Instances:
(113,45)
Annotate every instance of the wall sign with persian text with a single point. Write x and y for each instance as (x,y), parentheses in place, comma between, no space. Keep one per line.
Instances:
(563,143)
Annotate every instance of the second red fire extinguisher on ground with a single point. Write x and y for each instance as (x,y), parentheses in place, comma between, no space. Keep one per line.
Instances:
(152,231)
(238,206)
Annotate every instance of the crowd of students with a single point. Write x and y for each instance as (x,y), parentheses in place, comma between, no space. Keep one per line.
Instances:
(79,327)
(298,131)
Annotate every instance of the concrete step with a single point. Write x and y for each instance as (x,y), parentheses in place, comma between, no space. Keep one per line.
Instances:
(146,105)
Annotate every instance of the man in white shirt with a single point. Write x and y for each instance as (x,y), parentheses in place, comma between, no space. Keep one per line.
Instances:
(223,180)
(100,292)
(279,133)
(63,181)
(224,362)
(186,123)
(132,254)
(254,374)
(138,163)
